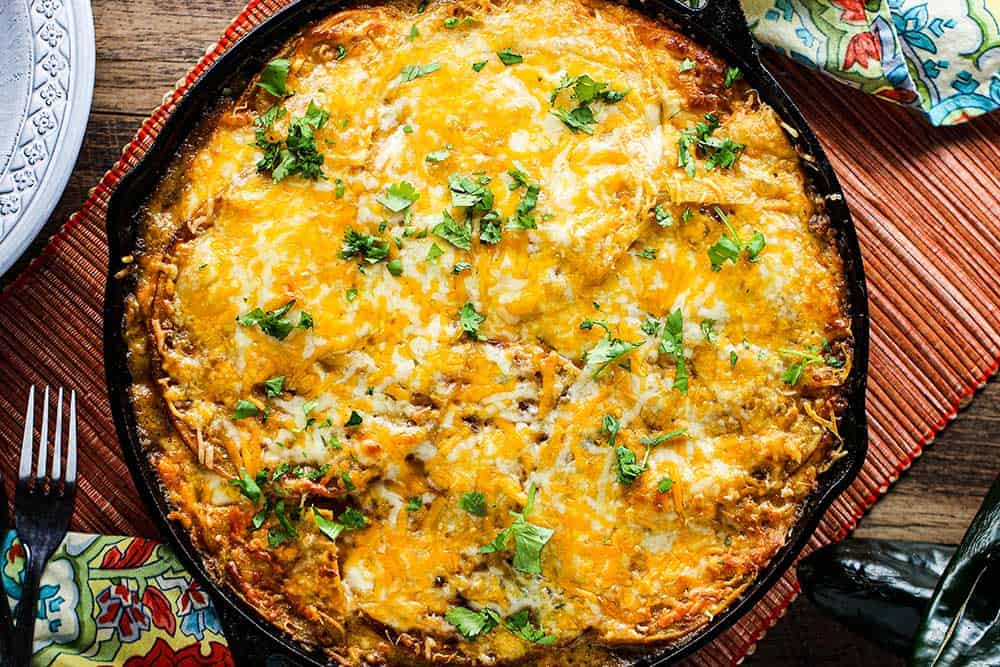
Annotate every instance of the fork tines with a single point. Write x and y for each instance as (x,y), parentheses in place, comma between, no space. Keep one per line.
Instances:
(56,473)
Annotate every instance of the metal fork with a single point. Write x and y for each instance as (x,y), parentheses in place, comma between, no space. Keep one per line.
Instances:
(42,508)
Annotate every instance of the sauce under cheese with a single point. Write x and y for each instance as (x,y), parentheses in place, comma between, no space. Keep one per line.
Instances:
(541,369)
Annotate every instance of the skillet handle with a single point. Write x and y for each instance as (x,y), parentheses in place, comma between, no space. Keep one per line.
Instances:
(248,646)
(725,18)
(725,21)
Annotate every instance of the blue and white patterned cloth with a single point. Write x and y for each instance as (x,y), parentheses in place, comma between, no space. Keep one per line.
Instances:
(941,57)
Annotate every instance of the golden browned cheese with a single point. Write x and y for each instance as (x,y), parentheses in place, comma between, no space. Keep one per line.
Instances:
(572,351)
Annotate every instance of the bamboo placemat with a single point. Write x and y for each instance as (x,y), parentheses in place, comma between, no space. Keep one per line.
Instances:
(926,203)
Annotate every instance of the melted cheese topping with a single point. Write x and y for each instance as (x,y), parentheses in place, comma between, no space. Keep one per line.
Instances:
(444,413)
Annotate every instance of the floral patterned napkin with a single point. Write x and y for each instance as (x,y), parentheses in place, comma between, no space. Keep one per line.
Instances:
(941,57)
(117,601)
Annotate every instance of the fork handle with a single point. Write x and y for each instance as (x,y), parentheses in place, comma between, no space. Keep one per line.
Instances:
(27,607)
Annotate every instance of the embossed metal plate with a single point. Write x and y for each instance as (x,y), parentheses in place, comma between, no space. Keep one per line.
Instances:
(46,79)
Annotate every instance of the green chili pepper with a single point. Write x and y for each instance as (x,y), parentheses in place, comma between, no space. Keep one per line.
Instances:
(877,588)
(962,624)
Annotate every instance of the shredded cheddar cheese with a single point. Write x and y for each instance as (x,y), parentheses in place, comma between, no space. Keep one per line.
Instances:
(429,277)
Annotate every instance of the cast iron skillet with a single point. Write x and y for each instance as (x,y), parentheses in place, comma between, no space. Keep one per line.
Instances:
(720,25)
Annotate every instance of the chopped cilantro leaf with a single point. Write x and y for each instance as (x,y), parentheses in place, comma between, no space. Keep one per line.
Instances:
(628,467)
(414,33)
(341,52)
(721,153)
(461,266)
(414,504)
(247,485)
(370,248)
(305,320)
(354,420)
(607,350)
(434,252)
(395,267)
(580,119)
(665,484)
(672,343)
(470,321)
(245,409)
(663,217)
(328,527)
(451,22)
(274,387)
(473,502)
(647,253)
(398,197)
(729,247)
(529,539)
(478,67)
(467,193)
(411,72)
(439,155)
(490,231)
(351,293)
(686,65)
(339,188)
(471,624)
(274,77)
(520,624)
(459,235)
(708,331)
(663,437)
(352,519)
(610,426)
(508,57)
(733,74)
(273,322)
(732,359)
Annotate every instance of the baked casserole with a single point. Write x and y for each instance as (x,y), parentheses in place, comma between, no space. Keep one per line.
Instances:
(485,332)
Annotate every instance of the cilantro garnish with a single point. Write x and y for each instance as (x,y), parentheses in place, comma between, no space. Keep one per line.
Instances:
(467,193)
(434,252)
(717,152)
(664,218)
(398,197)
(339,188)
(439,155)
(274,387)
(473,502)
(520,624)
(708,331)
(274,77)
(529,539)
(733,74)
(470,321)
(732,359)
(341,52)
(461,266)
(647,253)
(608,350)
(522,216)
(585,91)
(490,231)
(245,409)
(628,467)
(580,119)
(478,67)
(411,72)
(273,322)
(414,33)
(297,154)
(414,504)
(247,485)
(665,484)
(371,249)
(686,65)
(508,57)
(471,624)
(395,267)
(459,235)
(354,420)
(729,247)
(610,426)
(349,519)
(793,373)
(305,320)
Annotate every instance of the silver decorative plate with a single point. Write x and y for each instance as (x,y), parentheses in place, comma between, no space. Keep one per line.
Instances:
(46,79)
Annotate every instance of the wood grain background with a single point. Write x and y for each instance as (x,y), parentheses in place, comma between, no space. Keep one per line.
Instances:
(144,46)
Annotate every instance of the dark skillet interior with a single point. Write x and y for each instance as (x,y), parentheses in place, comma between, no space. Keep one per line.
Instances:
(720,25)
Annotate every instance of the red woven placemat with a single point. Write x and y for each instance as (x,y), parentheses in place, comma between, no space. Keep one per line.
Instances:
(926,203)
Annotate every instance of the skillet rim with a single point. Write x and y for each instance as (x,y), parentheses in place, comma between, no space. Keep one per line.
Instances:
(720,25)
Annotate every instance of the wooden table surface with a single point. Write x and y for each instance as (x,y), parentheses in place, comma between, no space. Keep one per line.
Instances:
(144,46)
